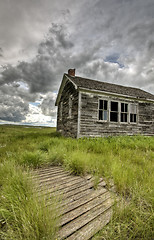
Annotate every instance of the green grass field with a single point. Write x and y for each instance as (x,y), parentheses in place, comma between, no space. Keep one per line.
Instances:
(127,161)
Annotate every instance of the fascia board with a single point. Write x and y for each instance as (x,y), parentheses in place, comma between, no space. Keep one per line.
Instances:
(114,94)
(65,77)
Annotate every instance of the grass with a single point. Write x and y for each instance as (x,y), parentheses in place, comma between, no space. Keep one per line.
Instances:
(22,214)
(127,161)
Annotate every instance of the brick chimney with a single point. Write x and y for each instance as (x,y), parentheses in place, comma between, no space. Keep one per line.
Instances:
(71,72)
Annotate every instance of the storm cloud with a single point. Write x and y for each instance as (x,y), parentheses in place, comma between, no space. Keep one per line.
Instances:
(108,40)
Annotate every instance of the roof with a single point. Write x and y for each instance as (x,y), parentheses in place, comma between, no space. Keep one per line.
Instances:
(95,85)
(109,87)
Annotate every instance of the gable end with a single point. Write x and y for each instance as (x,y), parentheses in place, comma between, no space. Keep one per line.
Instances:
(64,80)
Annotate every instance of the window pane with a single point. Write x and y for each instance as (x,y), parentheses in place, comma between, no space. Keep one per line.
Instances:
(123,117)
(114,106)
(105,105)
(122,107)
(100,115)
(113,117)
(100,104)
(126,107)
(134,117)
(105,115)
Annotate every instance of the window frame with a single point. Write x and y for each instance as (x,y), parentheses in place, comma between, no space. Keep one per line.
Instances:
(130,112)
(61,111)
(103,120)
(114,112)
(70,104)
(118,112)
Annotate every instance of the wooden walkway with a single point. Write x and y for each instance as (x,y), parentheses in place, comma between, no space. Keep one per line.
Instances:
(85,210)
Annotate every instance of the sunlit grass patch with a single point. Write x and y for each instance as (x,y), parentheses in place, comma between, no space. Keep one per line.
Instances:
(56,155)
(32,159)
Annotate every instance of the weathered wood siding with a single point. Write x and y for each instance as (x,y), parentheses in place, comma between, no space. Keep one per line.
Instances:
(68,125)
(90,126)
(146,118)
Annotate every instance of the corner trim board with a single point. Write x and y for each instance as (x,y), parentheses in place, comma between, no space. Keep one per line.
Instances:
(79,115)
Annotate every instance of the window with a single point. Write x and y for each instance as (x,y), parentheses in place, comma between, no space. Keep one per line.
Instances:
(103,110)
(61,110)
(117,111)
(70,106)
(133,113)
(114,112)
(124,112)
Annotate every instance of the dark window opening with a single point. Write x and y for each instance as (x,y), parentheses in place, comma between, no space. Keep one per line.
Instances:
(114,112)
(124,112)
(133,117)
(123,117)
(113,117)
(124,107)
(114,106)
(105,105)
(103,110)
(100,115)
(100,104)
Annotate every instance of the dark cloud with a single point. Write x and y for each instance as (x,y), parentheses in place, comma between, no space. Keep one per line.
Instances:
(41,73)
(61,36)
(108,40)
(10,74)
(1,52)
(48,105)
(13,109)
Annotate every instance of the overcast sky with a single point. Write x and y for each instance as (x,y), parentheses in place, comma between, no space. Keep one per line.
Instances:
(107,40)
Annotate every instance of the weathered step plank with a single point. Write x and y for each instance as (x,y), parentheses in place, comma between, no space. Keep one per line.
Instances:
(84,219)
(48,174)
(84,211)
(72,190)
(69,216)
(53,177)
(47,169)
(65,185)
(54,182)
(84,199)
(89,230)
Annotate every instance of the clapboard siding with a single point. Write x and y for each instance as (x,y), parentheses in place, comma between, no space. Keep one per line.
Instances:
(146,117)
(68,126)
(91,127)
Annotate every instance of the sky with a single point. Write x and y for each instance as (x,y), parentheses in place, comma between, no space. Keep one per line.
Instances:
(107,40)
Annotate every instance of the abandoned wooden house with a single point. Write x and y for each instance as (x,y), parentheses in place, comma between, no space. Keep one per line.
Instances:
(89,108)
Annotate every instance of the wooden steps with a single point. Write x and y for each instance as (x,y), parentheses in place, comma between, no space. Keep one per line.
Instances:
(84,211)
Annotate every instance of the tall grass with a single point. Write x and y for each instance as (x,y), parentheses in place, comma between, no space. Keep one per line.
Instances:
(22,216)
(127,161)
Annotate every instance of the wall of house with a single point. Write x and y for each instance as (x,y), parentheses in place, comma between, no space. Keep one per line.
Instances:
(146,118)
(90,126)
(66,124)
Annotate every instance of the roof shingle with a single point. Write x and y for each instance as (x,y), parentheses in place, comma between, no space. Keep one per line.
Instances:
(109,87)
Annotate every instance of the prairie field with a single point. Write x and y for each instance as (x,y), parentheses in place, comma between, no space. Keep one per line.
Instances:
(126,161)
